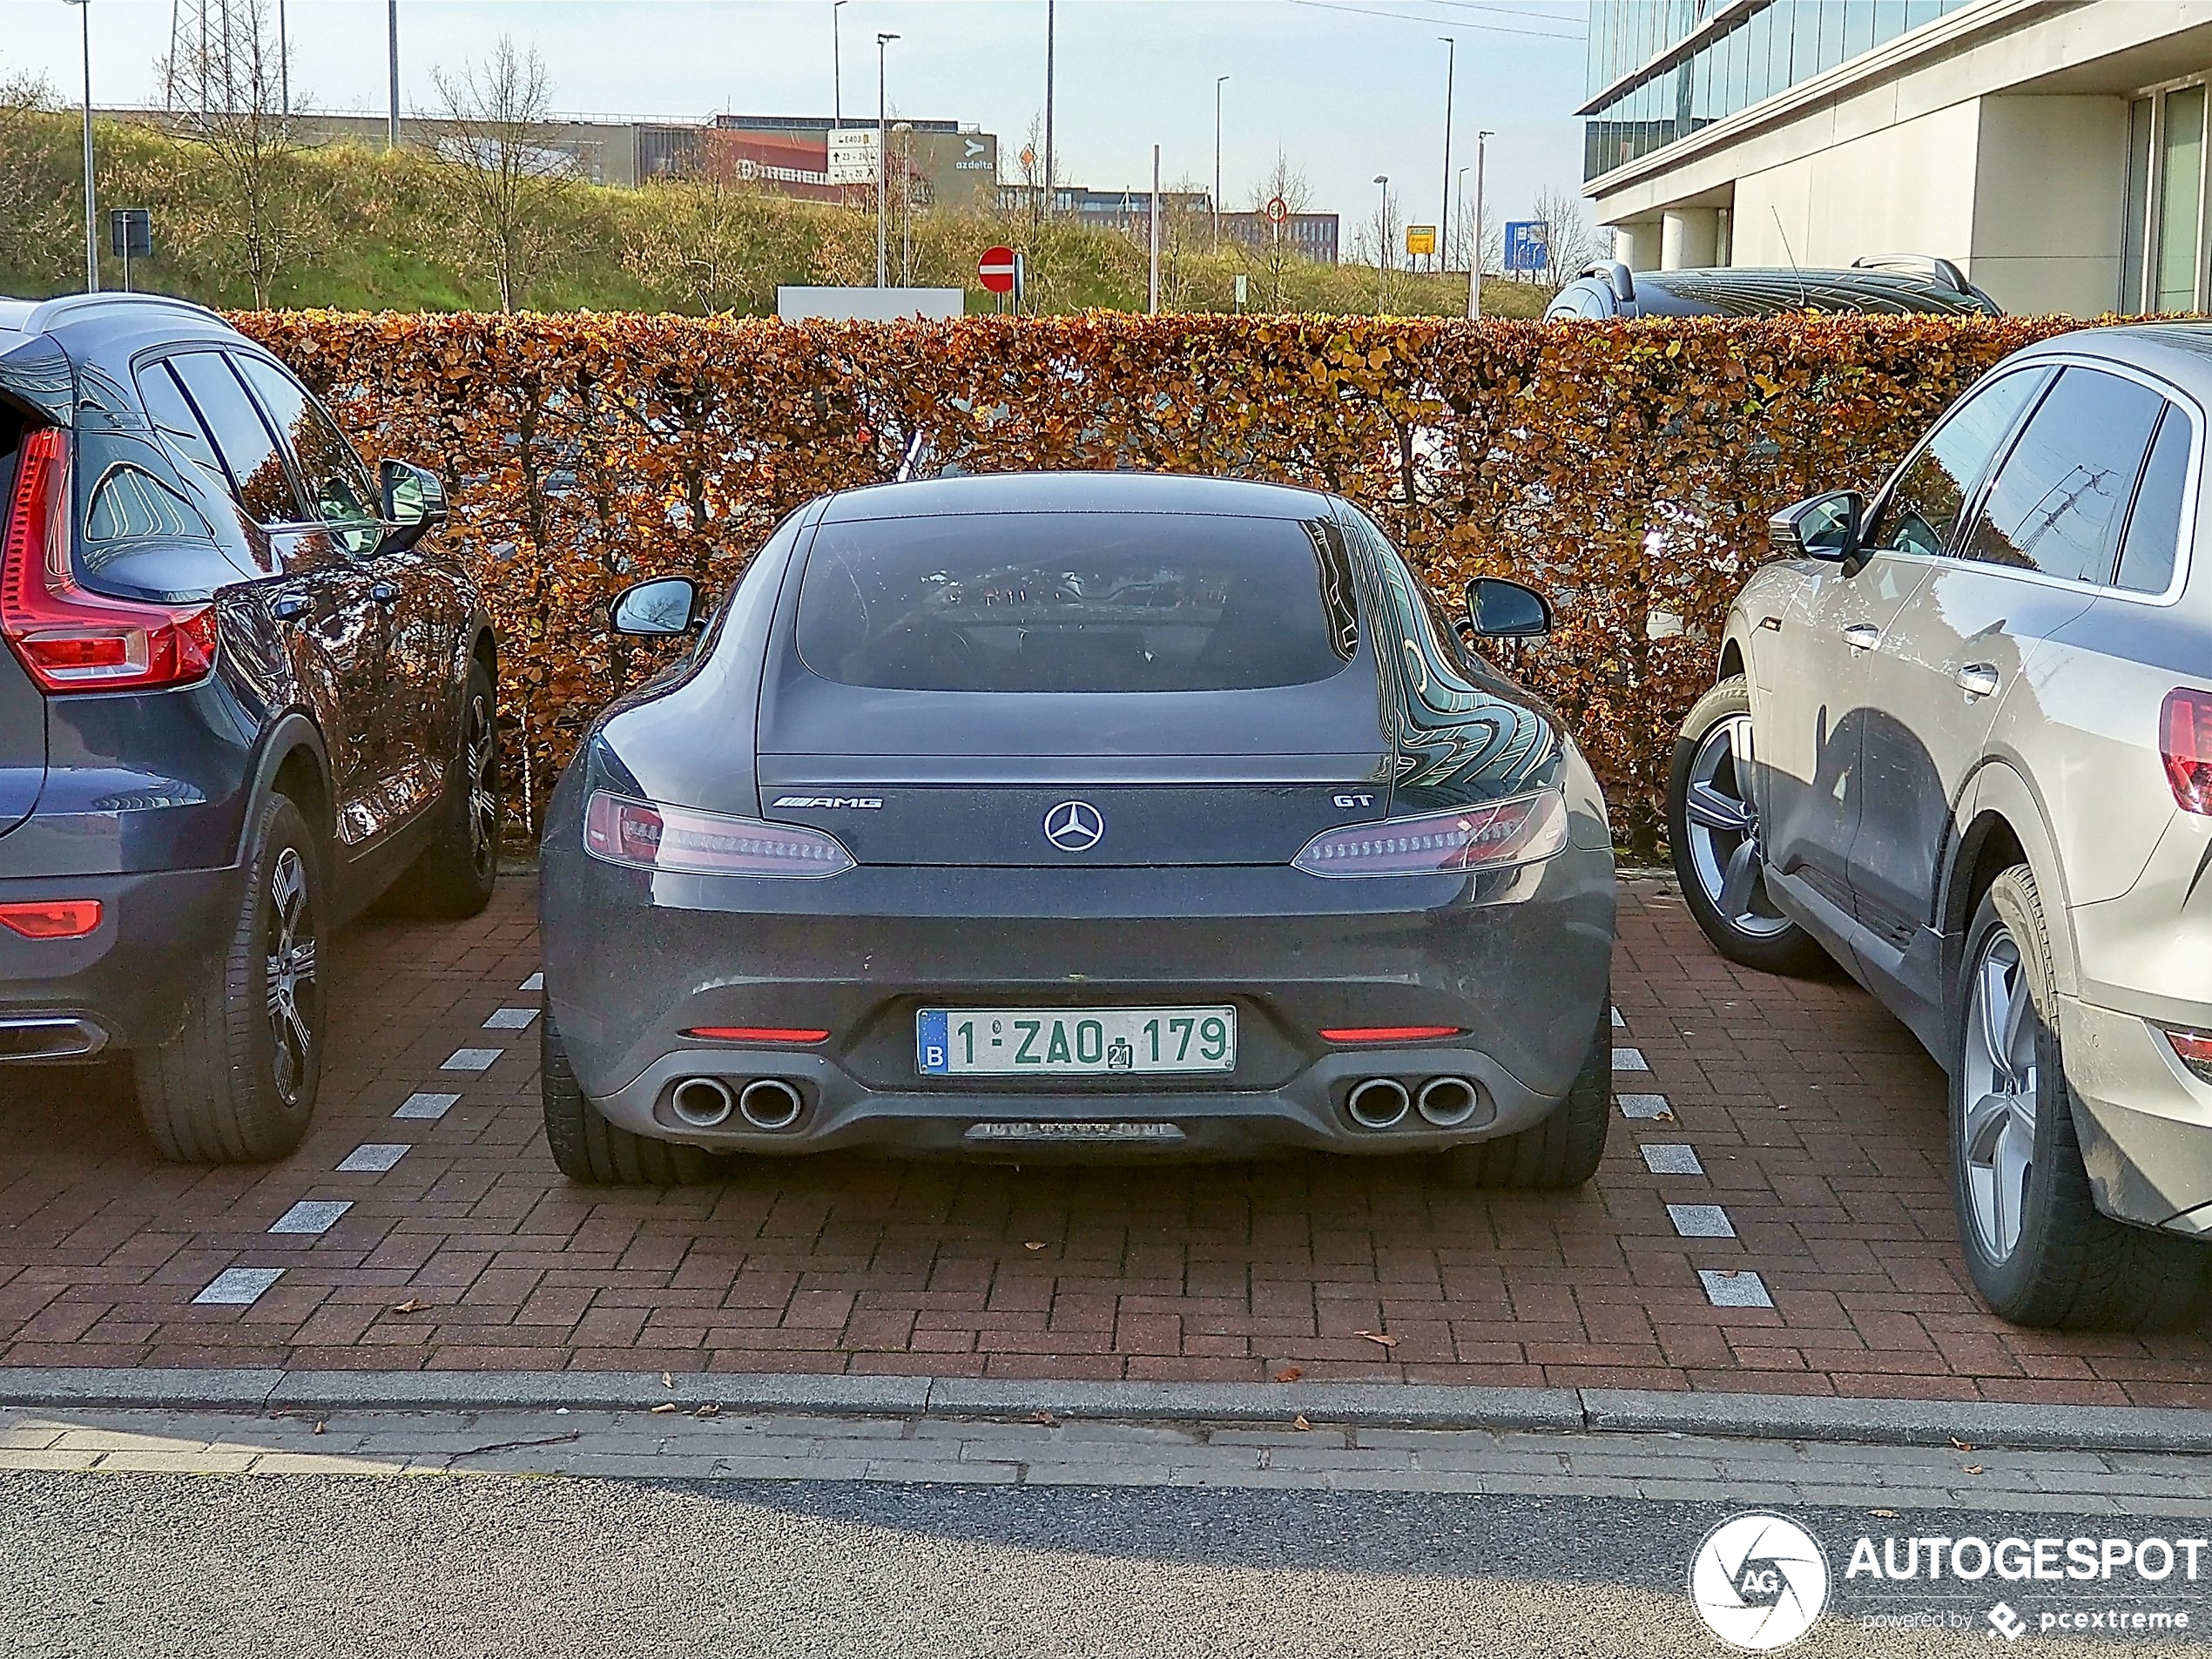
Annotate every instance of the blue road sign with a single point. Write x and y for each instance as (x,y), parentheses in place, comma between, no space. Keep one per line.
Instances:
(1527,245)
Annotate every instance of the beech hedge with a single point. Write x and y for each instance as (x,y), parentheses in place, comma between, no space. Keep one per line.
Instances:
(1625,470)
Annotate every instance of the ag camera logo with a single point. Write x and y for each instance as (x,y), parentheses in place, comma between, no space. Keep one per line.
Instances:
(1759,1581)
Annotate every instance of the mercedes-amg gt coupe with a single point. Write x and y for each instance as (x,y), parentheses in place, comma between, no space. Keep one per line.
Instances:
(1078,814)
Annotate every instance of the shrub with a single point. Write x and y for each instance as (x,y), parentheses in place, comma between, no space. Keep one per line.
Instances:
(1626,469)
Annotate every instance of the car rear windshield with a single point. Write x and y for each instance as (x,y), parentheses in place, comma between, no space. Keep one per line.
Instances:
(1077,602)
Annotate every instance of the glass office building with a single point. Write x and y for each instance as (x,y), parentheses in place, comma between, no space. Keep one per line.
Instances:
(1659,68)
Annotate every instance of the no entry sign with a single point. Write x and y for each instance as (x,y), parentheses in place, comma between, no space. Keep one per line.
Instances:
(995,270)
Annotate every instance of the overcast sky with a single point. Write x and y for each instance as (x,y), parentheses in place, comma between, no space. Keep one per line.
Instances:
(1348,89)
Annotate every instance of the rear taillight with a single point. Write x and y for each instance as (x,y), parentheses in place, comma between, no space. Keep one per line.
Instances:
(651,836)
(52,918)
(2185,739)
(70,640)
(2193,1050)
(1491,837)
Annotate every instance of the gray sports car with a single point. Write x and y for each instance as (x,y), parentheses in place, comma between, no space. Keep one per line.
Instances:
(1083,813)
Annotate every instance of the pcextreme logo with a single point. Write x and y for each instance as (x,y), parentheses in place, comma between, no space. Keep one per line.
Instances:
(1758,1581)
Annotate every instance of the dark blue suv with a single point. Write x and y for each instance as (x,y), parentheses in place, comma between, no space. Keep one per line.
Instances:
(240,698)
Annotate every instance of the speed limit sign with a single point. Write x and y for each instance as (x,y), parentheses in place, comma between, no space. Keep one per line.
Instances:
(1277,210)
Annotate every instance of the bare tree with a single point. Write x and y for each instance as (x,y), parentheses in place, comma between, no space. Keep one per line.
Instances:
(1278,250)
(1573,243)
(509,183)
(1376,243)
(1186,233)
(1029,168)
(226,94)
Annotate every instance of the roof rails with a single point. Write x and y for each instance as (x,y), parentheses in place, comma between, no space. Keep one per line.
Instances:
(1617,276)
(49,312)
(1924,265)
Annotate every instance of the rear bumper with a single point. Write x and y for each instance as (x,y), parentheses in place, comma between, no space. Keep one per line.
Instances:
(631,962)
(123,986)
(2144,1123)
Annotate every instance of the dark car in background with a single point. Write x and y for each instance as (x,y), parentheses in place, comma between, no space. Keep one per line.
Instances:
(240,698)
(1047,814)
(1893,283)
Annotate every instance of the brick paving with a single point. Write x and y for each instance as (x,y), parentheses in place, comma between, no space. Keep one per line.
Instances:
(1817,1122)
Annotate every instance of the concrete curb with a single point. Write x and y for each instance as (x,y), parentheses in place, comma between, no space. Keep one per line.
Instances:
(1594,1410)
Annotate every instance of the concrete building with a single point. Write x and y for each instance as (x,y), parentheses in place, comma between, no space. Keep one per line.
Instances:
(1314,235)
(2055,150)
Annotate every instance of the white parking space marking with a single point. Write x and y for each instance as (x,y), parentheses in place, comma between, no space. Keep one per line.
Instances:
(427,1107)
(1701,1221)
(510,1020)
(1630,1060)
(238,1287)
(472,1059)
(1742,1289)
(1645,1106)
(312,1216)
(1671,1158)
(374,1158)
(534,982)
(1619,1023)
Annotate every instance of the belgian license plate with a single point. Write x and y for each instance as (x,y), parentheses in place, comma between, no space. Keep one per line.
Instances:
(1073,1042)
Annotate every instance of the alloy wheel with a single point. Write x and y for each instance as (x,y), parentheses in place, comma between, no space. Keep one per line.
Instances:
(289,948)
(1997,1136)
(1723,829)
(481,758)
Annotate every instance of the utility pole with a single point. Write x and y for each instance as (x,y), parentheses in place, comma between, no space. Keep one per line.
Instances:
(1048,177)
(392,31)
(1444,229)
(1474,263)
(91,229)
(1218,82)
(837,69)
(882,162)
(1152,286)
(1382,241)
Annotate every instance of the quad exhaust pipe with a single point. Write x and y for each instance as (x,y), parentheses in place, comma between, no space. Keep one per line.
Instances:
(1447,1102)
(710,1102)
(1379,1102)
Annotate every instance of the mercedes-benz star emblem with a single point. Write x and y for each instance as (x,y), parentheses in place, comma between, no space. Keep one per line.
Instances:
(1075,827)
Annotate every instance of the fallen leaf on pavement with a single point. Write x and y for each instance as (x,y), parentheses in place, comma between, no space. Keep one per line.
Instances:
(411,1305)
(1299,1422)
(667,1379)
(1289,1373)
(1046,1418)
(1973,1468)
(1883,1515)
(1033,1243)
(665,1406)
(319,1427)
(1381,1338)
(708,1410)
(1963,1445)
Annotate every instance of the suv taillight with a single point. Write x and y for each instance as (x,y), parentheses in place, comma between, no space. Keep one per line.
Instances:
(2185,739)
(68,639)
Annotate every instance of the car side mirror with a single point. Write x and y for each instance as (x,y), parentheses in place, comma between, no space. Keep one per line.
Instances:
(660,609)
(1501,609)
(413,502)
(1825,527)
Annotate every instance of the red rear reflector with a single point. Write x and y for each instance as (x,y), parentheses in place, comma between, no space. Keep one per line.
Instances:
(1392,1032)
(2194,1048)
(2185,739)
(757,1034)
(70,640)
(57,919)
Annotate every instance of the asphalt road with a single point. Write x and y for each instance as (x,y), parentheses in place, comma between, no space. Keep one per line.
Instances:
(300,1566)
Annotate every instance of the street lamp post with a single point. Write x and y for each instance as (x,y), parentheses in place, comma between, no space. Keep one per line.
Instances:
(1443,230)
(883,161)
(1219,81)
(1460,201)
(392,43)
(1050,21)
(837,69)
(91,231)
(284,64)
(1382,241)
(1474,264)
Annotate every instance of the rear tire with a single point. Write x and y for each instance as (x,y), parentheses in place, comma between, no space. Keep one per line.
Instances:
(238,1083)
(454,876)
(1712,826)
(2038,1248)
(1561,1149)
(590,1149)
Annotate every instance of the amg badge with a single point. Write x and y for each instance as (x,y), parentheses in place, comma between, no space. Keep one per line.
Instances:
(864,803)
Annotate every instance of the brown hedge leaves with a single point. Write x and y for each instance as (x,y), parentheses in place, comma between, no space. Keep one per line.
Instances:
(1626,469)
